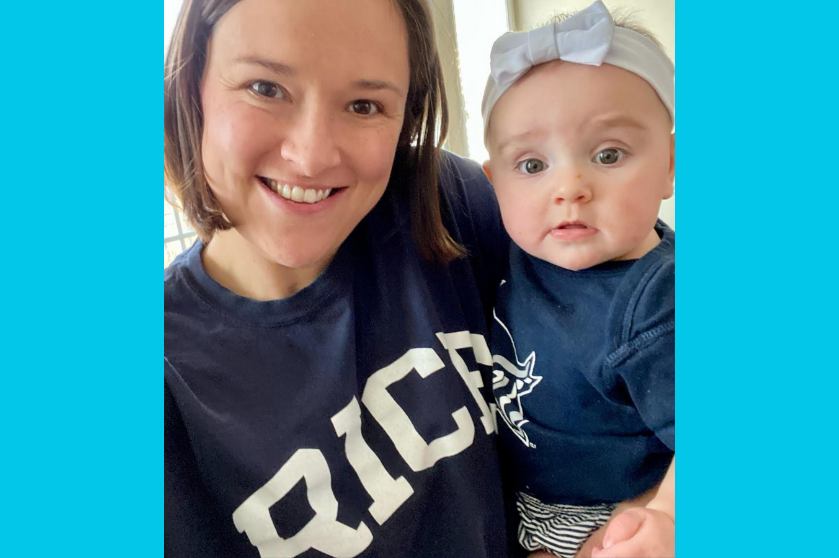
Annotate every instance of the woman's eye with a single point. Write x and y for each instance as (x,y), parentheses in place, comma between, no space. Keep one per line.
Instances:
(608,156)
(267,89)
(532,166)
(364,107)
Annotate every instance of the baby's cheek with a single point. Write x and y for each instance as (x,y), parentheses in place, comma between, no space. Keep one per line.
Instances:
(518,222)
(507,198)
(508,211)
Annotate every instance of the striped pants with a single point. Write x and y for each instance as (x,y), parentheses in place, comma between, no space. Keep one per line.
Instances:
(558,528)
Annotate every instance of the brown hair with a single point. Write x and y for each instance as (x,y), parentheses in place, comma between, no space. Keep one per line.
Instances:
(416,166)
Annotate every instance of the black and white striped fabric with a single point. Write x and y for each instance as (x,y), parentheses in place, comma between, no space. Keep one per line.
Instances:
(558,528)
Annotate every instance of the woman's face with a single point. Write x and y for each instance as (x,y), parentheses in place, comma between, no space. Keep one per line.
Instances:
(303,103)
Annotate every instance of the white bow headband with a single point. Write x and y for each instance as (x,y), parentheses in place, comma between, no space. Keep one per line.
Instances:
(588,37)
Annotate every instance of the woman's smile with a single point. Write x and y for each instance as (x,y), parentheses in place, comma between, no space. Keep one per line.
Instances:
(299,194)
(300,200)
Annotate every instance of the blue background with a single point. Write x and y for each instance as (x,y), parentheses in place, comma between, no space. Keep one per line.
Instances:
(756,294)
(81,312)
(82,328)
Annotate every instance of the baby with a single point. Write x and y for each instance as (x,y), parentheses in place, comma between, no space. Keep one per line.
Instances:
(579,119)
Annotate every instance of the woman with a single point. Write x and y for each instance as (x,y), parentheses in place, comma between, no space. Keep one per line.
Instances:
(325,337)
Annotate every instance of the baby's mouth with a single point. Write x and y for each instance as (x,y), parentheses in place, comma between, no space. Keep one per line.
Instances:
(572,225)
(570,231)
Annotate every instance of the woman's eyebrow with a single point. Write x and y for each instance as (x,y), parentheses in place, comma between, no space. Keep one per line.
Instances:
(377,85)
(285,70)
(276,67)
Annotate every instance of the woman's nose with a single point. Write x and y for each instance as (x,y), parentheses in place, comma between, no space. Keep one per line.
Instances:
(309,141)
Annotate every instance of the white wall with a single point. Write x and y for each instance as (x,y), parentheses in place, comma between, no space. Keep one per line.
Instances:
(659,16)
(170,15)
(478,24)
(442,12)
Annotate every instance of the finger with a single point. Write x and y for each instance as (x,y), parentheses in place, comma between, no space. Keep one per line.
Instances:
(635,547)
(625,549)
(594,541)
(647,542)
(586,549)
(623,527)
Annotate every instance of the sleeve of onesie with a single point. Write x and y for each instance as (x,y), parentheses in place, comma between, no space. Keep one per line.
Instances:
(646,360)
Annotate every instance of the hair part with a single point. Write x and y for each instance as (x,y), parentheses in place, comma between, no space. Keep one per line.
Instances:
(416,167)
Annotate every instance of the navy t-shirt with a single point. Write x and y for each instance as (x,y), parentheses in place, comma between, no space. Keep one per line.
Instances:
(584,378)
(349,419)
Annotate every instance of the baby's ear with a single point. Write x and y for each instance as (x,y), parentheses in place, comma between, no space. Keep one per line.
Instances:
(672,171)
(487,170)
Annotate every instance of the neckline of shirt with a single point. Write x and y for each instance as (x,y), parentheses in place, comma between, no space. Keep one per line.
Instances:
(377,227)
(285,311)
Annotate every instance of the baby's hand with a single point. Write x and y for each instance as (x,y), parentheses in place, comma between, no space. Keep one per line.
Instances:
(639,532)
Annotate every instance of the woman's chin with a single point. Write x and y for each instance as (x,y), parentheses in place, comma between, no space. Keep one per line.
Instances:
(304,258)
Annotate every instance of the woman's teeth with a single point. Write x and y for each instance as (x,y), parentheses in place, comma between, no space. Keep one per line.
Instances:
(296,193)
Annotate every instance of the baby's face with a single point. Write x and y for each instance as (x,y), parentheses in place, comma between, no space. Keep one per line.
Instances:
(581,158)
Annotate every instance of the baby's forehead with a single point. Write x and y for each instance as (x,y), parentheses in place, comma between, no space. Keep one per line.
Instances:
(581,96)
(559,75)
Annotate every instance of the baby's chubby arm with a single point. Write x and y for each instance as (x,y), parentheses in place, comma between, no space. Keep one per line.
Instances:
(641,531)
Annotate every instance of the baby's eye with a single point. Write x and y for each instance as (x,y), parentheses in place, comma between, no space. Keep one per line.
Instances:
(365,107)
(608,156)
(267,89)
(532,166)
